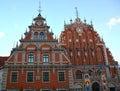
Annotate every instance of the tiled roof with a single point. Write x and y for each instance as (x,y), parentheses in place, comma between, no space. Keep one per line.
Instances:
(2,61)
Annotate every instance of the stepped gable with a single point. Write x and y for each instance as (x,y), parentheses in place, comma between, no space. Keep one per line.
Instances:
(83,43)
(38,40)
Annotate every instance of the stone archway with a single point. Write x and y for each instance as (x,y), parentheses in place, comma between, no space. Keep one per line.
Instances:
(95,87)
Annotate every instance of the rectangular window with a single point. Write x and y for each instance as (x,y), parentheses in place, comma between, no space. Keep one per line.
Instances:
(30,58)
(45,76)
(29,90)
(29,76)
(45,58)
(61,76)
(14,76)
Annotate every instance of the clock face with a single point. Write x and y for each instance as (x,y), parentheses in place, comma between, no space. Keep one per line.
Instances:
(39,22)
(79,30)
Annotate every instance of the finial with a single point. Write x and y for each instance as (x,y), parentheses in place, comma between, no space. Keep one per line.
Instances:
(70,21)
(17,45)
(84,20)
(91,23)
(26,30)
(76,12)
(39,8)
(21,37)
(32,20)
(55,37)
(51,31)
(46,20)
(64,22)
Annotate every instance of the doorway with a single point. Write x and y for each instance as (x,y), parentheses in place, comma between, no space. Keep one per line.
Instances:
(95,87)
(112,89)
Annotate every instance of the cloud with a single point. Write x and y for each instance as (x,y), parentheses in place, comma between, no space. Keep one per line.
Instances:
(113,21)
(2,34)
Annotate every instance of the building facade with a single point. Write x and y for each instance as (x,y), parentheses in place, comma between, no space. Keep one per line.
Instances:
(2,61)
(78,61)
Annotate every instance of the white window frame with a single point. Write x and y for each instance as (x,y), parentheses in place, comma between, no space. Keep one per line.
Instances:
(29,58)
(64,76)
(45,54)
(36,37)
(27,76)
(43,78)
(11,76)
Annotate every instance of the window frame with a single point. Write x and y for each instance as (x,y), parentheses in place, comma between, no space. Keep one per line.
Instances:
(36,35)
(45,57)
(79,76)
(62,77)
(42,36)
(27,77)
(14,77)
(45,77)
(30,59)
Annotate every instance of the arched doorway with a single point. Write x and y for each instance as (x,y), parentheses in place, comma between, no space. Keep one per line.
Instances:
(95,87)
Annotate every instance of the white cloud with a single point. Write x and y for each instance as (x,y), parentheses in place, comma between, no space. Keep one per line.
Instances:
(2,34)
(113,21)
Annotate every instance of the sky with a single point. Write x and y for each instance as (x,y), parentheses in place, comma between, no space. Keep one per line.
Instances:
(17,15)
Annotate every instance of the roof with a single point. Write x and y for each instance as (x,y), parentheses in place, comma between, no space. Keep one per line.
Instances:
(2,61)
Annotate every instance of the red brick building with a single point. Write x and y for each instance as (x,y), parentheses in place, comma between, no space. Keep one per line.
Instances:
(79,61)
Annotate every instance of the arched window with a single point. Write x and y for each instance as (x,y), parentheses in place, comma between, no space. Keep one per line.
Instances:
(90,72)
(36,35)
(42,36)
(78,74)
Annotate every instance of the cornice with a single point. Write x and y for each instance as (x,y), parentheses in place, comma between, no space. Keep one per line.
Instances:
(42,41)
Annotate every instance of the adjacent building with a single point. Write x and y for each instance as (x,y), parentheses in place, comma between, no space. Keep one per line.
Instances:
(78,61)
(2,61)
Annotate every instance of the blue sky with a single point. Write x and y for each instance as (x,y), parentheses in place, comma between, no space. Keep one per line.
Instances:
(17,15)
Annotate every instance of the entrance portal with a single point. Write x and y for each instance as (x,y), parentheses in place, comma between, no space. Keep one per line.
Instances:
(112,89)
(95,87)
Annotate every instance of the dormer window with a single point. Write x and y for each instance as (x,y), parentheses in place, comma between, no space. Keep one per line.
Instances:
(42,36)
(36,35)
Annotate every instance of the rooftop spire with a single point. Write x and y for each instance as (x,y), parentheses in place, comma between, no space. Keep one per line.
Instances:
(39,11)
(76,12)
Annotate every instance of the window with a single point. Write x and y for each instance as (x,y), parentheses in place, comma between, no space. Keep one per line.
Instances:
(45,76)
(90,72)
(61,76)
(29,76)
(14,76)
(78,74)
(30,58)
(36,35)
(29,90)
(45,58)
(42,36)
